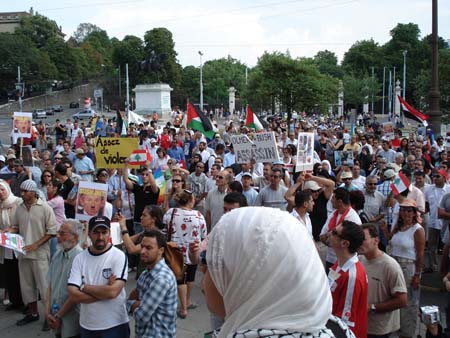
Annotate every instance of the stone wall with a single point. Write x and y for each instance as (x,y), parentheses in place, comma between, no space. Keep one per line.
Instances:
(63,97)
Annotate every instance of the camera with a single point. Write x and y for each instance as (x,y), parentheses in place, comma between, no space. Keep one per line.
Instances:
(430,314)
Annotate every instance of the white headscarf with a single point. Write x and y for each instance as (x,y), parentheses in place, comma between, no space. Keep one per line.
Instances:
(268,271)
(330,170)
(7,210)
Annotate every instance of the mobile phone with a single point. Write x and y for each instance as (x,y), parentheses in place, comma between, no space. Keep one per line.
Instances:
(119,211)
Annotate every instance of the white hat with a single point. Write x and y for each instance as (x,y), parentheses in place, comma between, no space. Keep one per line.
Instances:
(311,185)
(389,173)
(346,174)
(29,185)
(2,158)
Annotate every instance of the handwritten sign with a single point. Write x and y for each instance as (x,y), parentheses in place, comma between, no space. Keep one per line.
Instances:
(112,152)
(260,147)
(12,241)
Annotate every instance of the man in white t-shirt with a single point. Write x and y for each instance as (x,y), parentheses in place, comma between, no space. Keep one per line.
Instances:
(97,281)
(304,204)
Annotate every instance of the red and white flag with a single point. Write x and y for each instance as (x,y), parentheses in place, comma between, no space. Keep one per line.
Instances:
(139,157)
(400,184)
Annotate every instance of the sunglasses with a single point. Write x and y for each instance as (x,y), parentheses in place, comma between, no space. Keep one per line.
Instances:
(220,177)
(177,181)
(275,176)
(407,209)
(335,233)
(47,175)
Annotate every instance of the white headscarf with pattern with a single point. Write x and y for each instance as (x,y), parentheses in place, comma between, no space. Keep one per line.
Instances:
(268,271)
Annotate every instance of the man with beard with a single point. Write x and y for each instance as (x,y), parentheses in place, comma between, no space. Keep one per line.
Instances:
(154,301)
(304,204)
(97,281)
(62,315)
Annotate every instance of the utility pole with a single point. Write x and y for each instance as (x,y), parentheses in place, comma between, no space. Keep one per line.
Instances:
(128,90)
(434,94)
(384,81)
(120,84)
(404,73)
(201,80)
(373,68)
(21,88)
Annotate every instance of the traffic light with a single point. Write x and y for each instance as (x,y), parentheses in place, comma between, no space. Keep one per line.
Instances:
(20,87)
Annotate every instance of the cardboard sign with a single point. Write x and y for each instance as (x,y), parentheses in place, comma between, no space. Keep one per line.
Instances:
(12,241)
(22,124)
(343,158)
(305,152)
(260,147)
(91,200)
(112,152)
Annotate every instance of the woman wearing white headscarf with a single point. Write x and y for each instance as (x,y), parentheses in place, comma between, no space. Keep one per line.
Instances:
(8,262)
(265,276)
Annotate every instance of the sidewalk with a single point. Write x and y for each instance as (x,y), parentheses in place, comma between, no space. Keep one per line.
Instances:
(194,326)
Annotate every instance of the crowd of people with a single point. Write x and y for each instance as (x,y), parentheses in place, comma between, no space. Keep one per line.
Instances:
(346,242)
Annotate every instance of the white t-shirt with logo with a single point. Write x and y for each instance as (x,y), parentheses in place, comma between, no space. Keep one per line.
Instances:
(92,269)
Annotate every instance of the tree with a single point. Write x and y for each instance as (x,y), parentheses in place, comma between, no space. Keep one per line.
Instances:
(84,30)
(39,29)
(129,51)
(292,84)
(361,56)
(327,63)
(358,91)
(161,63)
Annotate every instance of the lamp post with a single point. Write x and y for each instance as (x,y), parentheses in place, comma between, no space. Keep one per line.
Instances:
(404,73)
(201,80)
(434,94)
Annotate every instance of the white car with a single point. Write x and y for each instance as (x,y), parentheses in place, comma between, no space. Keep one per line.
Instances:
(84,114)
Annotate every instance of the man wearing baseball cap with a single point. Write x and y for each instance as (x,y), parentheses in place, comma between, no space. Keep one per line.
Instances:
(97,281)
(35,221)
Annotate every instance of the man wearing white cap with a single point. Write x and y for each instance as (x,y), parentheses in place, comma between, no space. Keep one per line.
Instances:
(35,221)
(83,165)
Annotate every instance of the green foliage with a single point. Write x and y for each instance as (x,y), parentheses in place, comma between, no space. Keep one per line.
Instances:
(161,57)
(293,84)
(39,29)
(327,63)
(130,50)
(361,56)
(83,31)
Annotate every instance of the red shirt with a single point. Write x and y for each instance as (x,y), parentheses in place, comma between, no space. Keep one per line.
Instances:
(164,141)
(349,290)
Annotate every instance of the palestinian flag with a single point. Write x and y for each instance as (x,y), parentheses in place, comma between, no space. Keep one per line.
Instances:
(412,113)
(197,121)
(252,120)
(400,184)
(138,157)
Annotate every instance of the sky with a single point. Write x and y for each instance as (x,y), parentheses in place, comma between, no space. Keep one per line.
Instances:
(245,29)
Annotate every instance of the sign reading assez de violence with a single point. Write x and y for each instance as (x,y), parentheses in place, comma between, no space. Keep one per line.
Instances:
(112,152)
(260,147)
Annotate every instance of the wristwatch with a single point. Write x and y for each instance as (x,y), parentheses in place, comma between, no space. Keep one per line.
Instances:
(124,232)
(373,309)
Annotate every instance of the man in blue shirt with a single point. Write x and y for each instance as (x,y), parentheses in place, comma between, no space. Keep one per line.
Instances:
(154,301)
(175,151)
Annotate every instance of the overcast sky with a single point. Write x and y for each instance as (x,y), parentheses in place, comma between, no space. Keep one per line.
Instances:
(245,29)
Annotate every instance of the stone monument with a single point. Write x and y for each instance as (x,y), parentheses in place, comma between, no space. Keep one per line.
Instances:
(153,98)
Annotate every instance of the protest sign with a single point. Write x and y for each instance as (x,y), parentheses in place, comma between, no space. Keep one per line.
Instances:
(116,234)
(388,128)
(27,157)
(305,152)
(12,241)
(343,158)
(261,147)
(22,124)
(91,200)
(112,152)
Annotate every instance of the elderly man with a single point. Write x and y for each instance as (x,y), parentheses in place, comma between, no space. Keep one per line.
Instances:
(97,281)
(83,165)
(214,200)
(35,221)
(374,200)
(62,314)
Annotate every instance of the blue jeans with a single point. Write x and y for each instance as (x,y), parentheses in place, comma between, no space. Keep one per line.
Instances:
(120,331)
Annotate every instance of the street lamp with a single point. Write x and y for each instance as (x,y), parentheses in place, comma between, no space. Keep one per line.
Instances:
(404,72)
(201,81)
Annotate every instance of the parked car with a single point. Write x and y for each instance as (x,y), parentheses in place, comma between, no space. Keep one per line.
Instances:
(39,114)
(57,108)
(74,105)
(84,114)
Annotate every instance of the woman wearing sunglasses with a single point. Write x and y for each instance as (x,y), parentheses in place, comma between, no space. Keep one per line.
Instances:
(185,225)
(178,184)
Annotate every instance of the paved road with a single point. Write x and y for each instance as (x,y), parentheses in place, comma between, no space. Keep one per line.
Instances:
(194,326)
